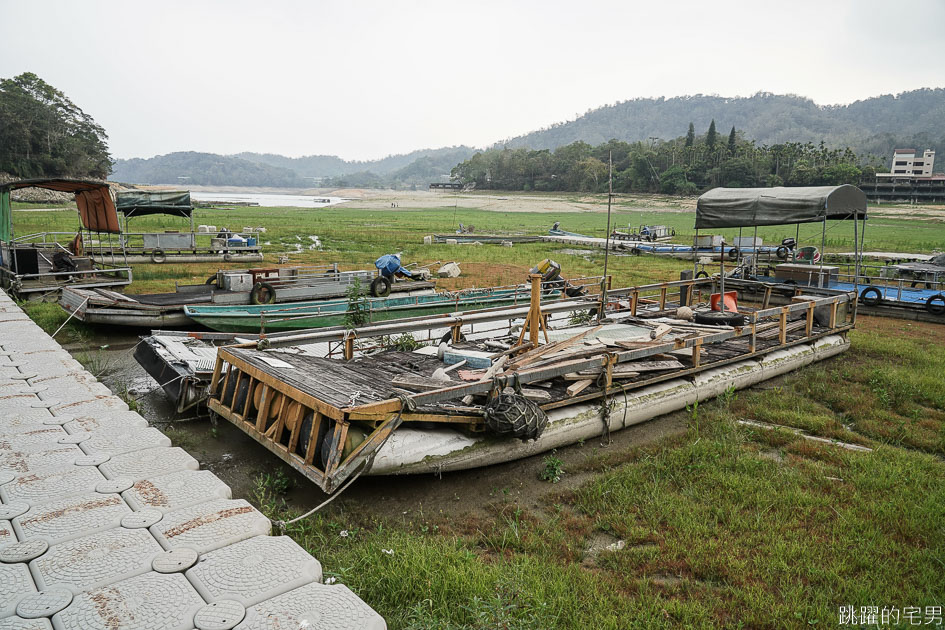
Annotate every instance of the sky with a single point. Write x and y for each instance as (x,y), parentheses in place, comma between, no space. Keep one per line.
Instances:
(366,79)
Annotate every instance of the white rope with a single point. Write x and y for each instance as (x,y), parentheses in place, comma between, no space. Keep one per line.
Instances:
(71,315)
(282,524)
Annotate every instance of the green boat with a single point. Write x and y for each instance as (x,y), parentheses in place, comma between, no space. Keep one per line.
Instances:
(319,314)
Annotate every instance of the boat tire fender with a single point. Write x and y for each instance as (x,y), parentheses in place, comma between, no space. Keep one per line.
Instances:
(936,304)
(718,318)
(212,281)
(158,256)
(702,274)
(380,286)
(781,252)
(871,296)
(263,293)
(733,253)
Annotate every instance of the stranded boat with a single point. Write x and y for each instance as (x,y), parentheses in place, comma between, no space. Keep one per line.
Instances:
(399,412)
(34,266)
(273,285)
(267,318)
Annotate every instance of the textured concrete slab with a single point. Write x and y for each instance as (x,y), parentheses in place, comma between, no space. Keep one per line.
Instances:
(112,442)
(18,623)
(72,517)
(313,606)
(15,584)
(37,461)
(176,490)
(152,601)
(149,463)
(208,526)
(38,488)
(39,439)
(7,537)
(93,561)
(118,420)
(254,570)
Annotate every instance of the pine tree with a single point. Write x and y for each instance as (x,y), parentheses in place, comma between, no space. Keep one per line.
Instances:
(712,136)
(690,135)
(731,141)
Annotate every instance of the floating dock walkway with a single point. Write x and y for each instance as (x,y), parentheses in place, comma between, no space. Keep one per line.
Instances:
(103,524)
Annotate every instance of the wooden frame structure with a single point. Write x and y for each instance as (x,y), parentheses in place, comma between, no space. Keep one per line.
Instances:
(309,427)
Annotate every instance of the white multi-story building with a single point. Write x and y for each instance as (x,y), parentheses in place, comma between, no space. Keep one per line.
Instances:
(908,163)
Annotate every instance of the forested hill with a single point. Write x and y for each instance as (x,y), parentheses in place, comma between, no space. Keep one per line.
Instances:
(203,169)
(417,168)
(873,126)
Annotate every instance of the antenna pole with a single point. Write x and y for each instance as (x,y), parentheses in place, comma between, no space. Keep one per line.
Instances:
(610,195)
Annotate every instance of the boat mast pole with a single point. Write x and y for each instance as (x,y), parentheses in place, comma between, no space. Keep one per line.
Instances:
(603,281)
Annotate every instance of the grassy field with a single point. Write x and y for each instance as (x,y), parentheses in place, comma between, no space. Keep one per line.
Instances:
(721,525)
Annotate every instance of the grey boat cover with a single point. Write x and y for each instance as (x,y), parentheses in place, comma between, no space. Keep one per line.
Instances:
(140,203)
(746,207)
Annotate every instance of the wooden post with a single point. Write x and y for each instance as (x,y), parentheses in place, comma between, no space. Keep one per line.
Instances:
(782,325)
(810,319)
(349,347)
(215,380)
(767,299)
(313,435)
(752,340)
(456,333)
(663,298)
(263,411)
(833,314)
(696,353)
(634,298)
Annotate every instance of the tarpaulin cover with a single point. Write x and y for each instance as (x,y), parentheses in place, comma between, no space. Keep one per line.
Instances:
(745,207)
(94,200)
(140,203)
(6,217)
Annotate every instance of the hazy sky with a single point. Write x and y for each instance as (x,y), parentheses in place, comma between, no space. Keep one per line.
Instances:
(366,79)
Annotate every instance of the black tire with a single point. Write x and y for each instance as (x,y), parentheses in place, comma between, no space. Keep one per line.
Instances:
(702,274)
(871,296)
(781,252)
(718,318)
(936,304)
(674,232)
(733,253)
(380,286)
(212,280)
(263,293)
(914,284)
(158,256)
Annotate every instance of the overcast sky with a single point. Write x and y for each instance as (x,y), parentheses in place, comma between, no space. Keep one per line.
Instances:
(362,80)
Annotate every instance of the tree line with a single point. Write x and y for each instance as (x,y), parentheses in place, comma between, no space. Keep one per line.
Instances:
(684,166)
(44,134)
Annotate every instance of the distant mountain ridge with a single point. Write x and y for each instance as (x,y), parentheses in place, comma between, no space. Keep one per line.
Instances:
(875,125)
(268,169)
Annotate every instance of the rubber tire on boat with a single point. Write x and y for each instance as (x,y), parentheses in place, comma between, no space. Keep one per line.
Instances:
(212,281)
(228,257)
(733,253)
(380,286)
(263,290)
(158,256)
(635,251)
(674,232)
(702,274)
(871,296)
(936,304)
(513,414)
(781,252)
(718,318)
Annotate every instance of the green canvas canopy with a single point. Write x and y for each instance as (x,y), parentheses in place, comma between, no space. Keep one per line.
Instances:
(747,207)
(141,203)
